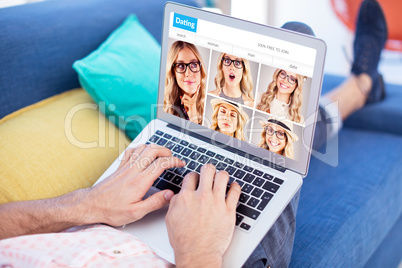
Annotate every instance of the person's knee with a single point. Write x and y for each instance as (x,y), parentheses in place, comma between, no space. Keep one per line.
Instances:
(297,26)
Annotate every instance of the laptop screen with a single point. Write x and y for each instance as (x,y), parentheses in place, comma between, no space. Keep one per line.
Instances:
(252,86)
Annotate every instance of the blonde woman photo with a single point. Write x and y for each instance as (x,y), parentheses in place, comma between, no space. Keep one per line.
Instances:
(228,118)
(233,80)
(284,97)
(278,137)
(185,82)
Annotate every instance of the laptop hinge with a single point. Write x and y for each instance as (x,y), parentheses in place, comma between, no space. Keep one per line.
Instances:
(229,148)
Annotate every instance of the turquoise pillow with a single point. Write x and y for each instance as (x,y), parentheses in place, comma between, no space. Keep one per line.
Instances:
(122,76)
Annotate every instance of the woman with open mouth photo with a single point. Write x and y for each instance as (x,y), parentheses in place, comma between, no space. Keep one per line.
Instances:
(278,137)
(283,97)
(233,80)
(228,118)
(185,82)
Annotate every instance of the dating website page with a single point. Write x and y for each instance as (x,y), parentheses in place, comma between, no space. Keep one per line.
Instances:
(245,85)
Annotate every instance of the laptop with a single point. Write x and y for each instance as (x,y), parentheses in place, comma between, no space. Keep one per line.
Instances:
(222,99)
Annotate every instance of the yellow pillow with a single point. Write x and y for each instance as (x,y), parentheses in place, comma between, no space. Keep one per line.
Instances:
(55,146)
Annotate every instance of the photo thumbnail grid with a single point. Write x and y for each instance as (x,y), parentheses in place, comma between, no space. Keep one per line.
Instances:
(240,97)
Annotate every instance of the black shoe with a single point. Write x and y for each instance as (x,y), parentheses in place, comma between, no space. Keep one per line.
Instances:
(370,37)
(377,92)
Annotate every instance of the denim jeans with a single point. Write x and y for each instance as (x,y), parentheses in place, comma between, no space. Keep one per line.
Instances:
(275,249)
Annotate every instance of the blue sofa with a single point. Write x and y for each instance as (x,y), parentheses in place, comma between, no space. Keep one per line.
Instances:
(349,215)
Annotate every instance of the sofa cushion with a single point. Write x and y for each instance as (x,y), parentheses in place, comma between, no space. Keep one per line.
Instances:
(388,254)
(55,146)
(346,211)
(41,41)
(383,116)
(122,76)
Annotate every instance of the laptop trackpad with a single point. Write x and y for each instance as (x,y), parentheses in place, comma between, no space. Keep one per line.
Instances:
(152,230)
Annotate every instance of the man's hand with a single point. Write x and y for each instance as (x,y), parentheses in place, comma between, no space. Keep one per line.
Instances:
(118,199)
(201,221)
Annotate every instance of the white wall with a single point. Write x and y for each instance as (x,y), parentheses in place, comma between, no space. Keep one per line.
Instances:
(319,15)
(9,3)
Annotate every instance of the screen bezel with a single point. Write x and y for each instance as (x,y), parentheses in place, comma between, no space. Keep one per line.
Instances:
(300,166)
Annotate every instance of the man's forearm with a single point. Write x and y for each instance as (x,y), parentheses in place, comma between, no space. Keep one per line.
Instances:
(116,201)
(197,260)
(40,216)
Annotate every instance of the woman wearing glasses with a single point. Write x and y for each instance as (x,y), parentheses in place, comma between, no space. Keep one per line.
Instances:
(185,82)
(233,80)
(284,97)
(278,137)
(228,118)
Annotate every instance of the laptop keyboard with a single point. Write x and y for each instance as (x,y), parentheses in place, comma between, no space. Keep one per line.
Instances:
(258,187)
